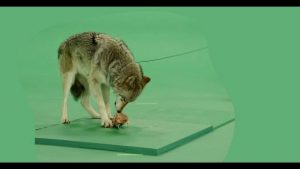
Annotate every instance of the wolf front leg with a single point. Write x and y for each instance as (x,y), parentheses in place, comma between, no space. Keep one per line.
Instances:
(88,107)
(106,97)
(97,93)
(68,80)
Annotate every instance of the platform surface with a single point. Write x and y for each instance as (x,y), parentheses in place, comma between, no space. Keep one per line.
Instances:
(141,137)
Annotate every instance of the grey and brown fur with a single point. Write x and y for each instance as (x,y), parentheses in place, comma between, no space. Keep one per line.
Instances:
(90,64)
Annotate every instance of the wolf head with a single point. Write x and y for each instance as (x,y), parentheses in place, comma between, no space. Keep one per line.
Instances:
(131,86)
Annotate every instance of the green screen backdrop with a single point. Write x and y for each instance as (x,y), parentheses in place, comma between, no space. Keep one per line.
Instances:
(254,52)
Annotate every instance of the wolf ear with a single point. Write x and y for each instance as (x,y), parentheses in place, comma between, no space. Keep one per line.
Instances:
(146,80)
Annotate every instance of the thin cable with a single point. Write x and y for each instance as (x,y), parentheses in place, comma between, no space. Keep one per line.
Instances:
(176,55)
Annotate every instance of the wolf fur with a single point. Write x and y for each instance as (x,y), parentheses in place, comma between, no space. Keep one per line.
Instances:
(90,64)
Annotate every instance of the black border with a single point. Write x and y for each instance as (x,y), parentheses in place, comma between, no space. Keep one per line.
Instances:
(144,165)
(148,3)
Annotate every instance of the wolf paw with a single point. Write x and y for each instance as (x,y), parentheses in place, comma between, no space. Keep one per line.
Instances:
(107,123)
(65,121)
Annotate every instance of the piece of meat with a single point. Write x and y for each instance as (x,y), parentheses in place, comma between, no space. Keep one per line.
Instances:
(119,120)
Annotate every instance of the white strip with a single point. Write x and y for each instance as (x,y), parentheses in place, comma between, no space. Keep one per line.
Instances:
(125,154)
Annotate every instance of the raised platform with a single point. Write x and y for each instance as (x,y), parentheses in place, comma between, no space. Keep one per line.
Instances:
(140,136)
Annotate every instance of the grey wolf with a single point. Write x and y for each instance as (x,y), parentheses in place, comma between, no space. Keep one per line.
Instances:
(91,64)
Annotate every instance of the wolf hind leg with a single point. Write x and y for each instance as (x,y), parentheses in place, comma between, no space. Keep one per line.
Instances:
(68,80)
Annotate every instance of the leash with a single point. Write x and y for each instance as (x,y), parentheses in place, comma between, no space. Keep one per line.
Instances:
(176,55)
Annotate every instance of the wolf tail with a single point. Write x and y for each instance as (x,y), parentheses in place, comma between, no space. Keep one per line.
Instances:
(77,89)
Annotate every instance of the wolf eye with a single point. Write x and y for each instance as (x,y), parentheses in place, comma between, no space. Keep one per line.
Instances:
(123,99)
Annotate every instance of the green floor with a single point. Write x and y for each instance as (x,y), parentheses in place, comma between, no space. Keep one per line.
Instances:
(184,89)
